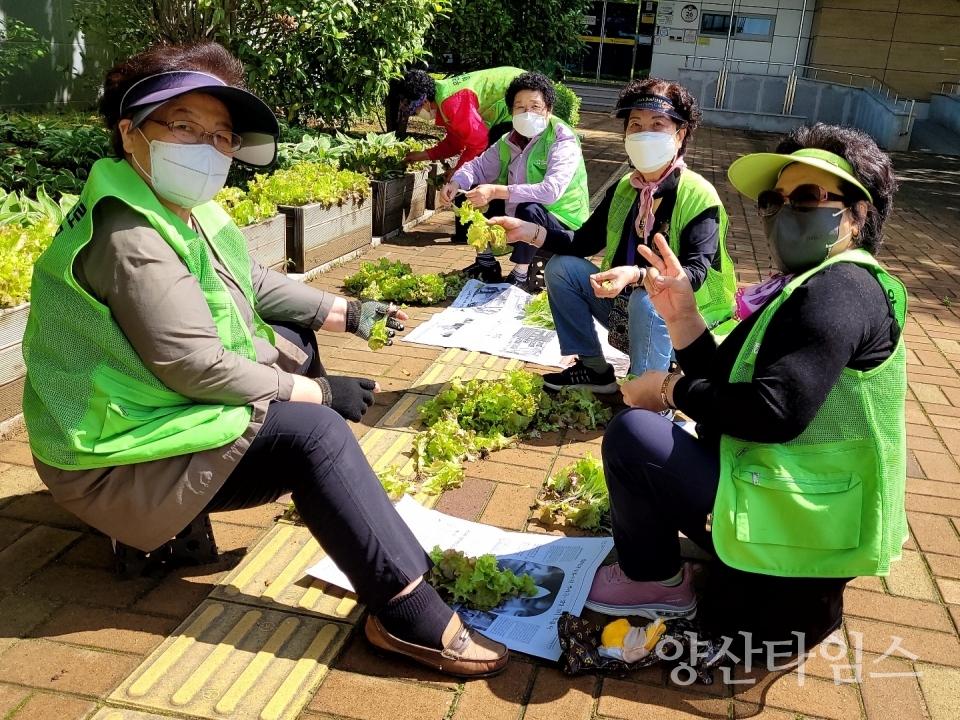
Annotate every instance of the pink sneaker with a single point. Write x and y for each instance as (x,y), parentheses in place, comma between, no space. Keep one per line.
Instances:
(613,593)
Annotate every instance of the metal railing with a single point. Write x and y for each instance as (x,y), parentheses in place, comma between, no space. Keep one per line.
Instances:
(950,88)
(811,72)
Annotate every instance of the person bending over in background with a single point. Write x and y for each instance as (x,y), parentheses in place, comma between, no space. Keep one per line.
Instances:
(535,173)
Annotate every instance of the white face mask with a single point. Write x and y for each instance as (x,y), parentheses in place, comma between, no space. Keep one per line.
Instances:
(426,114)
(187,175)
(649,151)
(529,124)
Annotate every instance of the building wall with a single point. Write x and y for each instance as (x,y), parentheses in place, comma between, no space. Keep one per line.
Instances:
(670,54)
(51,80)
(911,45)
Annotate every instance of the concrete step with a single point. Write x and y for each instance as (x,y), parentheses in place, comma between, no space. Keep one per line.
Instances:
(931,137)
(596,97)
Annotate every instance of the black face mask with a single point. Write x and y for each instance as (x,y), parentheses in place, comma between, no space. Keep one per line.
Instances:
(800,241)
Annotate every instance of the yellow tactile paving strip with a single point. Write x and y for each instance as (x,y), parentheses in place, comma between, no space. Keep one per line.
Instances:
(273,575)
(462,364)
(262,642)
(109,713)
(233,662)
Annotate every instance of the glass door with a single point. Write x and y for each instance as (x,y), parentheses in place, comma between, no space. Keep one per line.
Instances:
(619,43)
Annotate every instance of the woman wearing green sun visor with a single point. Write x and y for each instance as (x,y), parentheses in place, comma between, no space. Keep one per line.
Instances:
(796,480)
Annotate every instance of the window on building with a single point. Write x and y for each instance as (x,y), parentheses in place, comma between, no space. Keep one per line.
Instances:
(746,27)
(715,24)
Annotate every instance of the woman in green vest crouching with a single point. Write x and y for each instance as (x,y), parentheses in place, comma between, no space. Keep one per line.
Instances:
(661,195)
(796,480)
(534,173)
(171,375)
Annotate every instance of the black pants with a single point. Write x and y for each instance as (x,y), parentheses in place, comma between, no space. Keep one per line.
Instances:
(661,481)
(309,450)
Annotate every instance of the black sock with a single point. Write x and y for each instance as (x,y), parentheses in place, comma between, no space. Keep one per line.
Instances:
(486,259)
(419,617)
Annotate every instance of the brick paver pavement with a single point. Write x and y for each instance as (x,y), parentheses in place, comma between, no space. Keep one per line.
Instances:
(70,633)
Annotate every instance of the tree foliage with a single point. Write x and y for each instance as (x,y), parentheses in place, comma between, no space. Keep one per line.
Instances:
(19,46)
(330,59)
(487,33)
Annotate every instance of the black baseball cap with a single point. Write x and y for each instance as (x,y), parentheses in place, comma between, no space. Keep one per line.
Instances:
(253,120)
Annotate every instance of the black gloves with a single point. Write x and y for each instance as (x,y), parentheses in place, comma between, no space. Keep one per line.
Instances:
(349,396)
(361,315)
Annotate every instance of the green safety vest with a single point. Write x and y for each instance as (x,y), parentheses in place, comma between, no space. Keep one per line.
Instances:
(573,207)
(715,298)
(829,503)
(89,401)
(490,87)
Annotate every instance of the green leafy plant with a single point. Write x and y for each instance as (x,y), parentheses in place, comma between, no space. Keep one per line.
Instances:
(567,106)
(479,234)
(319,148)
(56,153)
(573,407)
(470,420)
(396,282)
(477,583)
(537,312)
(577,495)
(26,228)
(307,183)
(378,335)
(243,209)
(378,155)
(394,484)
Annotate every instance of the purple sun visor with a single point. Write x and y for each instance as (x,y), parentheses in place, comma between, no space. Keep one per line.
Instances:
(252,119)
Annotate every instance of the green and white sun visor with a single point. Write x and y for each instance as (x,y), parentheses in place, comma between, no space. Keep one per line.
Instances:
(752,174)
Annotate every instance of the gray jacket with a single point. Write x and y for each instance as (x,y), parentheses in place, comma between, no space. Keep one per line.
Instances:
(161,309)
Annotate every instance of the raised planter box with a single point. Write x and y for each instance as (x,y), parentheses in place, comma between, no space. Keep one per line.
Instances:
(267,242)
(436,170)
(317,234)
(398,201)
(13,323)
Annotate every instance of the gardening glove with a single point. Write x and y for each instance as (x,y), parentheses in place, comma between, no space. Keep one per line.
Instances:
(362,314)
(349,396)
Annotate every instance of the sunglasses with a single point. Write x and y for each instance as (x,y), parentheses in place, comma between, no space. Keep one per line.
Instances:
(802,198)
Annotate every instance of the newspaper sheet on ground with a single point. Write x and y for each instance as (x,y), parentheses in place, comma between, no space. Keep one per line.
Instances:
(489,318)
(562,568)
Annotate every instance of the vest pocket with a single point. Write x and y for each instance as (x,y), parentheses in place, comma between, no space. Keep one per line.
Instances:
(822,512)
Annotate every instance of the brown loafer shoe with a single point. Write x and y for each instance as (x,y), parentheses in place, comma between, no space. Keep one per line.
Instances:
(466,653)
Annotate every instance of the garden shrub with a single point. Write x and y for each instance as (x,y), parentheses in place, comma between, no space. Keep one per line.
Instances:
(306,58)
(488,33)
(567,107)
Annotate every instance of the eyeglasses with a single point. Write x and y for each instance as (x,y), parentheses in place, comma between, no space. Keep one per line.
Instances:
(802,198)
(534,109)
(191,133)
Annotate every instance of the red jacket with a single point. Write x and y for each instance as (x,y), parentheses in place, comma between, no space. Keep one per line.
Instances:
(466,134)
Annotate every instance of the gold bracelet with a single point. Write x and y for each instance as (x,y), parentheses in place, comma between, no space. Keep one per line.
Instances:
(663,390)
(536,236)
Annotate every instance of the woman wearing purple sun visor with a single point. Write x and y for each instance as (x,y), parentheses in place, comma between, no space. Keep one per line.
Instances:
(169,375)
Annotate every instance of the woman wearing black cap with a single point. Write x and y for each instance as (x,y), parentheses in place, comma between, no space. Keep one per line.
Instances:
(660,196)
(170,375)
